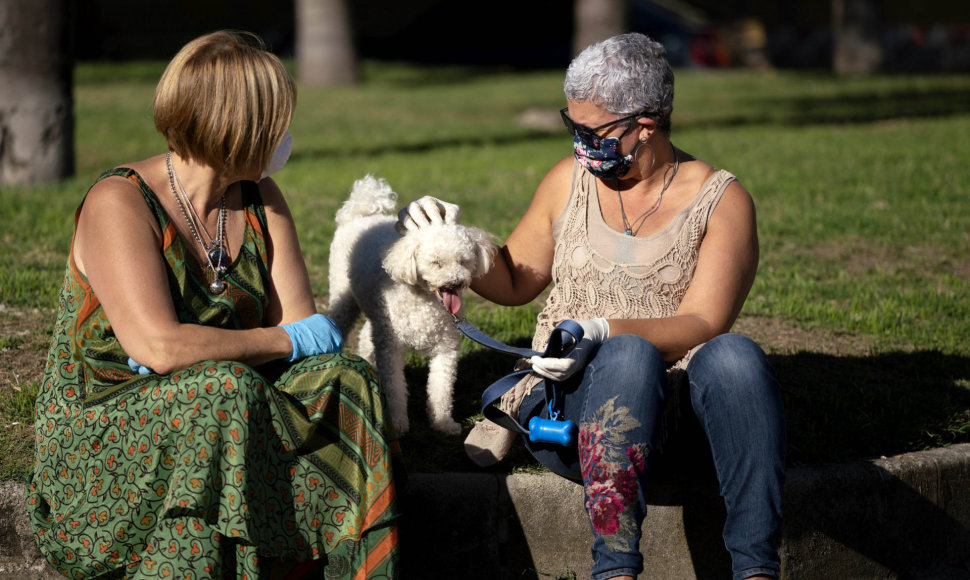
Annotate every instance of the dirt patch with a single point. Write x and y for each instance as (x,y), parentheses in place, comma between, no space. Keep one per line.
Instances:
(779,337)
(861,257)
(963,268)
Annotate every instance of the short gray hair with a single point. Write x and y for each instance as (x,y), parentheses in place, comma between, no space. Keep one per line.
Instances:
(625,74)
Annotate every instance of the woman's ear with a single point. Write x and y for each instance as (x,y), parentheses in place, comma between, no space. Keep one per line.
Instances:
(646,128)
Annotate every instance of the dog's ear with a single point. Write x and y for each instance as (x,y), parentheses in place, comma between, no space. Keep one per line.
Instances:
(485,245)
(401,259)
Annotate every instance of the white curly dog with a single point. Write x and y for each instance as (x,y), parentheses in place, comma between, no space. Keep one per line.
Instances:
(405,286)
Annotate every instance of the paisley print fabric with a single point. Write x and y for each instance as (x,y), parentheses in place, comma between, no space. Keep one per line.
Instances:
(214,471)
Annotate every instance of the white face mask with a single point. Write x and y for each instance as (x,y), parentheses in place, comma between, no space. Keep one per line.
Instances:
(280,156)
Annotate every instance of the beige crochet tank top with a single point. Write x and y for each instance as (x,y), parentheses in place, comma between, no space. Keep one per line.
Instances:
(600,272)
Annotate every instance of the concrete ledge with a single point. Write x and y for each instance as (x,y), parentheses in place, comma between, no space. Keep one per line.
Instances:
(903,517)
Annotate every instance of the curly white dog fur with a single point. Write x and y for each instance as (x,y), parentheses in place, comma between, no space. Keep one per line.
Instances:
(403,285)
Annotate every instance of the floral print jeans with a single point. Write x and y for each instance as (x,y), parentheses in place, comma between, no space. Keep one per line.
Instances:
(619,402)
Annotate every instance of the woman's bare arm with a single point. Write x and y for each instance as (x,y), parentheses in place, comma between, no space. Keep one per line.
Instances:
(117,244)
(726,267)
(523,267)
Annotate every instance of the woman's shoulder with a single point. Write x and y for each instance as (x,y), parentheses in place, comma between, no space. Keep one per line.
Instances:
(120,185)
(694,171)
(705,179)
(267,192)
(557,183)
(552,194)
(560,175)
(124,179)
(121,193)
(731,205)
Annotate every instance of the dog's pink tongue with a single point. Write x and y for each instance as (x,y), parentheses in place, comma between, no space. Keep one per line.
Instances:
(451,301)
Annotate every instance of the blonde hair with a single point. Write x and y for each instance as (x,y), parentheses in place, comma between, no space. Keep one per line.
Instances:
(225,101)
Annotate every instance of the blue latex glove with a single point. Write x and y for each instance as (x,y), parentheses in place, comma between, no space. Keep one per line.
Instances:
(313,335)
(139,368)
(595,331)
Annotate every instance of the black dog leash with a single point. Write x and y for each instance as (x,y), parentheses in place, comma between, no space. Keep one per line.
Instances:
(562,341)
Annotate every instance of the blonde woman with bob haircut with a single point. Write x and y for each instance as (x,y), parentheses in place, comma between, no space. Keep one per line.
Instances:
(187,419)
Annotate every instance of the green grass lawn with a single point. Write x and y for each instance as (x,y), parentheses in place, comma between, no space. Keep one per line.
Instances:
(862,193)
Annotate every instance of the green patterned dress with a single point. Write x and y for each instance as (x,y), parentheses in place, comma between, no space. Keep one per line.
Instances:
(217,470)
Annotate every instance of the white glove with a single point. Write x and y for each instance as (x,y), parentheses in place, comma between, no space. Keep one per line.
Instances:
(424,212)
(595,331)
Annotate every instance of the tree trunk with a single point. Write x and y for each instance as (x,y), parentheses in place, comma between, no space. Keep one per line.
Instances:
(856,49)
(324,43)
(596,20)
(36,99)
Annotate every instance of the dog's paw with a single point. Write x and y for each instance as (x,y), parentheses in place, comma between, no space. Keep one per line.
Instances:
(446,425)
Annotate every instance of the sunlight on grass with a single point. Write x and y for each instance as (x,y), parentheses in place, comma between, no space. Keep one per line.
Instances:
(860,185)
(16,427)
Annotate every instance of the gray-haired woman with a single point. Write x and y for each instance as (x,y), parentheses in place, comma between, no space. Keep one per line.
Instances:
(653,252)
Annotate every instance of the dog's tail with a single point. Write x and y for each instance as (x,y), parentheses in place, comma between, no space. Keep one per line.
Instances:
(369,196)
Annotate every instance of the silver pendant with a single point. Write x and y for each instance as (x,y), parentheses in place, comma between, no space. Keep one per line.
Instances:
(219,258)
(217,286)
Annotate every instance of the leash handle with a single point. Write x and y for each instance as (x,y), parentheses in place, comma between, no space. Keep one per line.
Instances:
(562,341)
(472,332)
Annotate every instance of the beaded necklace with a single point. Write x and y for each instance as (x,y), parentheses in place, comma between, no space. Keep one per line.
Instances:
(214,251)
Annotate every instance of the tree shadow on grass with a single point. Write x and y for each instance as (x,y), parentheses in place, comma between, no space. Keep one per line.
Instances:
(860,108)
(840,408)
(873,106)
(852,109)
(837,408)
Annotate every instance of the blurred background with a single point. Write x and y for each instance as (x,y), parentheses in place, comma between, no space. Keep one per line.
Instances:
(42,40)
(849,120)
(901,35)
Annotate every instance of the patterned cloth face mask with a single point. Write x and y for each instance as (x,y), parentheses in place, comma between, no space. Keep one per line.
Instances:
(600,156)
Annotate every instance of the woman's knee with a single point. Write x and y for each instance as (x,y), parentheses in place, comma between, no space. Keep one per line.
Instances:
(732,363)
(629,353)
(228,379)
(628,368)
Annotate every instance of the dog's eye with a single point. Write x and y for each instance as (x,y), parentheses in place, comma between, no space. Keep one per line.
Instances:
(436,263)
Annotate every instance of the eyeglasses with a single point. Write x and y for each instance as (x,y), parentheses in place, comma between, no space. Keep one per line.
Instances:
(591,134)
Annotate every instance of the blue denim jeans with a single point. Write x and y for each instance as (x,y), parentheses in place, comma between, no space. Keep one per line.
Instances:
(619,402)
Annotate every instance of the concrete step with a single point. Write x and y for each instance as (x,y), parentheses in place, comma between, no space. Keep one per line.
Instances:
(905,517)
